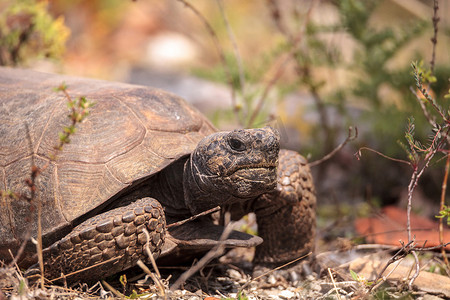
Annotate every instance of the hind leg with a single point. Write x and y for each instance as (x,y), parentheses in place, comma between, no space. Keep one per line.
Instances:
(106,243)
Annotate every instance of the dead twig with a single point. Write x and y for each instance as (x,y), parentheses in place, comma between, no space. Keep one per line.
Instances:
(157,278)
(334,284)
(435,21)
(409,248)
(430,118)
(272,270)
(295,43)
(216,251)
(349,138)
(358,155)
(84,269)
(220,51)
(207,212)
(113,290)
(232,38)
(400,254)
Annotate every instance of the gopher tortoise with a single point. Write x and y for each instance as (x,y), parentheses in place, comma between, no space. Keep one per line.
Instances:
(141,160)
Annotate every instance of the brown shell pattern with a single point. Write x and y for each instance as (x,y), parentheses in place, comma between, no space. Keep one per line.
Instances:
(131,133)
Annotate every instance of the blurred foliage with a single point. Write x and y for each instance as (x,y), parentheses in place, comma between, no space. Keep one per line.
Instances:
(28,31)
(371,89)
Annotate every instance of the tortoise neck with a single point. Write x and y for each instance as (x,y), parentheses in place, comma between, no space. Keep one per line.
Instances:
(167,188)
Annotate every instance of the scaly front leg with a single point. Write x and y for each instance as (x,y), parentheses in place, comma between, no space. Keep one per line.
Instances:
(287,217)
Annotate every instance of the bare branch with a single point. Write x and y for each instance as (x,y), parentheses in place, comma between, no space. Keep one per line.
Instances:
(349,138)
(235,47)
(209,211)
(219,49)
(400,254)
(358,155)
(435,20)
(431,119)
(279,72)
(217,250)
(273,270)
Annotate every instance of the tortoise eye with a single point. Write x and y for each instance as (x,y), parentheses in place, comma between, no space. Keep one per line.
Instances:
(236,144)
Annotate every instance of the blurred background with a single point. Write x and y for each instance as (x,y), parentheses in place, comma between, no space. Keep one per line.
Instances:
(312,69)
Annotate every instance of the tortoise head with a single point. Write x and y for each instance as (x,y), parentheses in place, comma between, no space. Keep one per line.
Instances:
(227,167)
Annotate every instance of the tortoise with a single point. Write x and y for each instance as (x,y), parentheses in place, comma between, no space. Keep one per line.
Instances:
(143,159)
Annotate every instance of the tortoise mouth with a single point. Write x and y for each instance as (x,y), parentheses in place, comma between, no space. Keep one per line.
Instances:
(257,174)
(263,168)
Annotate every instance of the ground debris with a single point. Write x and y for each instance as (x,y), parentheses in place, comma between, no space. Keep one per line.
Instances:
(329,279)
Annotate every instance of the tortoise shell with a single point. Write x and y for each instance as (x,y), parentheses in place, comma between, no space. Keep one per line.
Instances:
(131,133)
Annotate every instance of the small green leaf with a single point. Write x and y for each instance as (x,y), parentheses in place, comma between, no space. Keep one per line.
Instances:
(354,275)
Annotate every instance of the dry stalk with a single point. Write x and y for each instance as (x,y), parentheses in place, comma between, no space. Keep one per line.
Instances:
(295,44)
(157,278)
(207,212)
(235,47)
(435,21)
(64,276)
(220,51)
(411,187)
(349,138)
(409,248)
(217,250)
(400,254)
(358,155)
(334,284)
(384,278)
(113,290)
(273,270)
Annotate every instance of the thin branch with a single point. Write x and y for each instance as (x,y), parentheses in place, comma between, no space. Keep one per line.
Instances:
(279,72)
(84,269)
(235,47)
(149,253)
(217,250)
(417,269)
(384,278)
(423,90)
(358,155)
(435,20)
(334,284)
(430,118)
(349,138)
(412,185)
(400,254)
(209,211)
(278,19)
(113,290)
(273,270)
(219,49)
